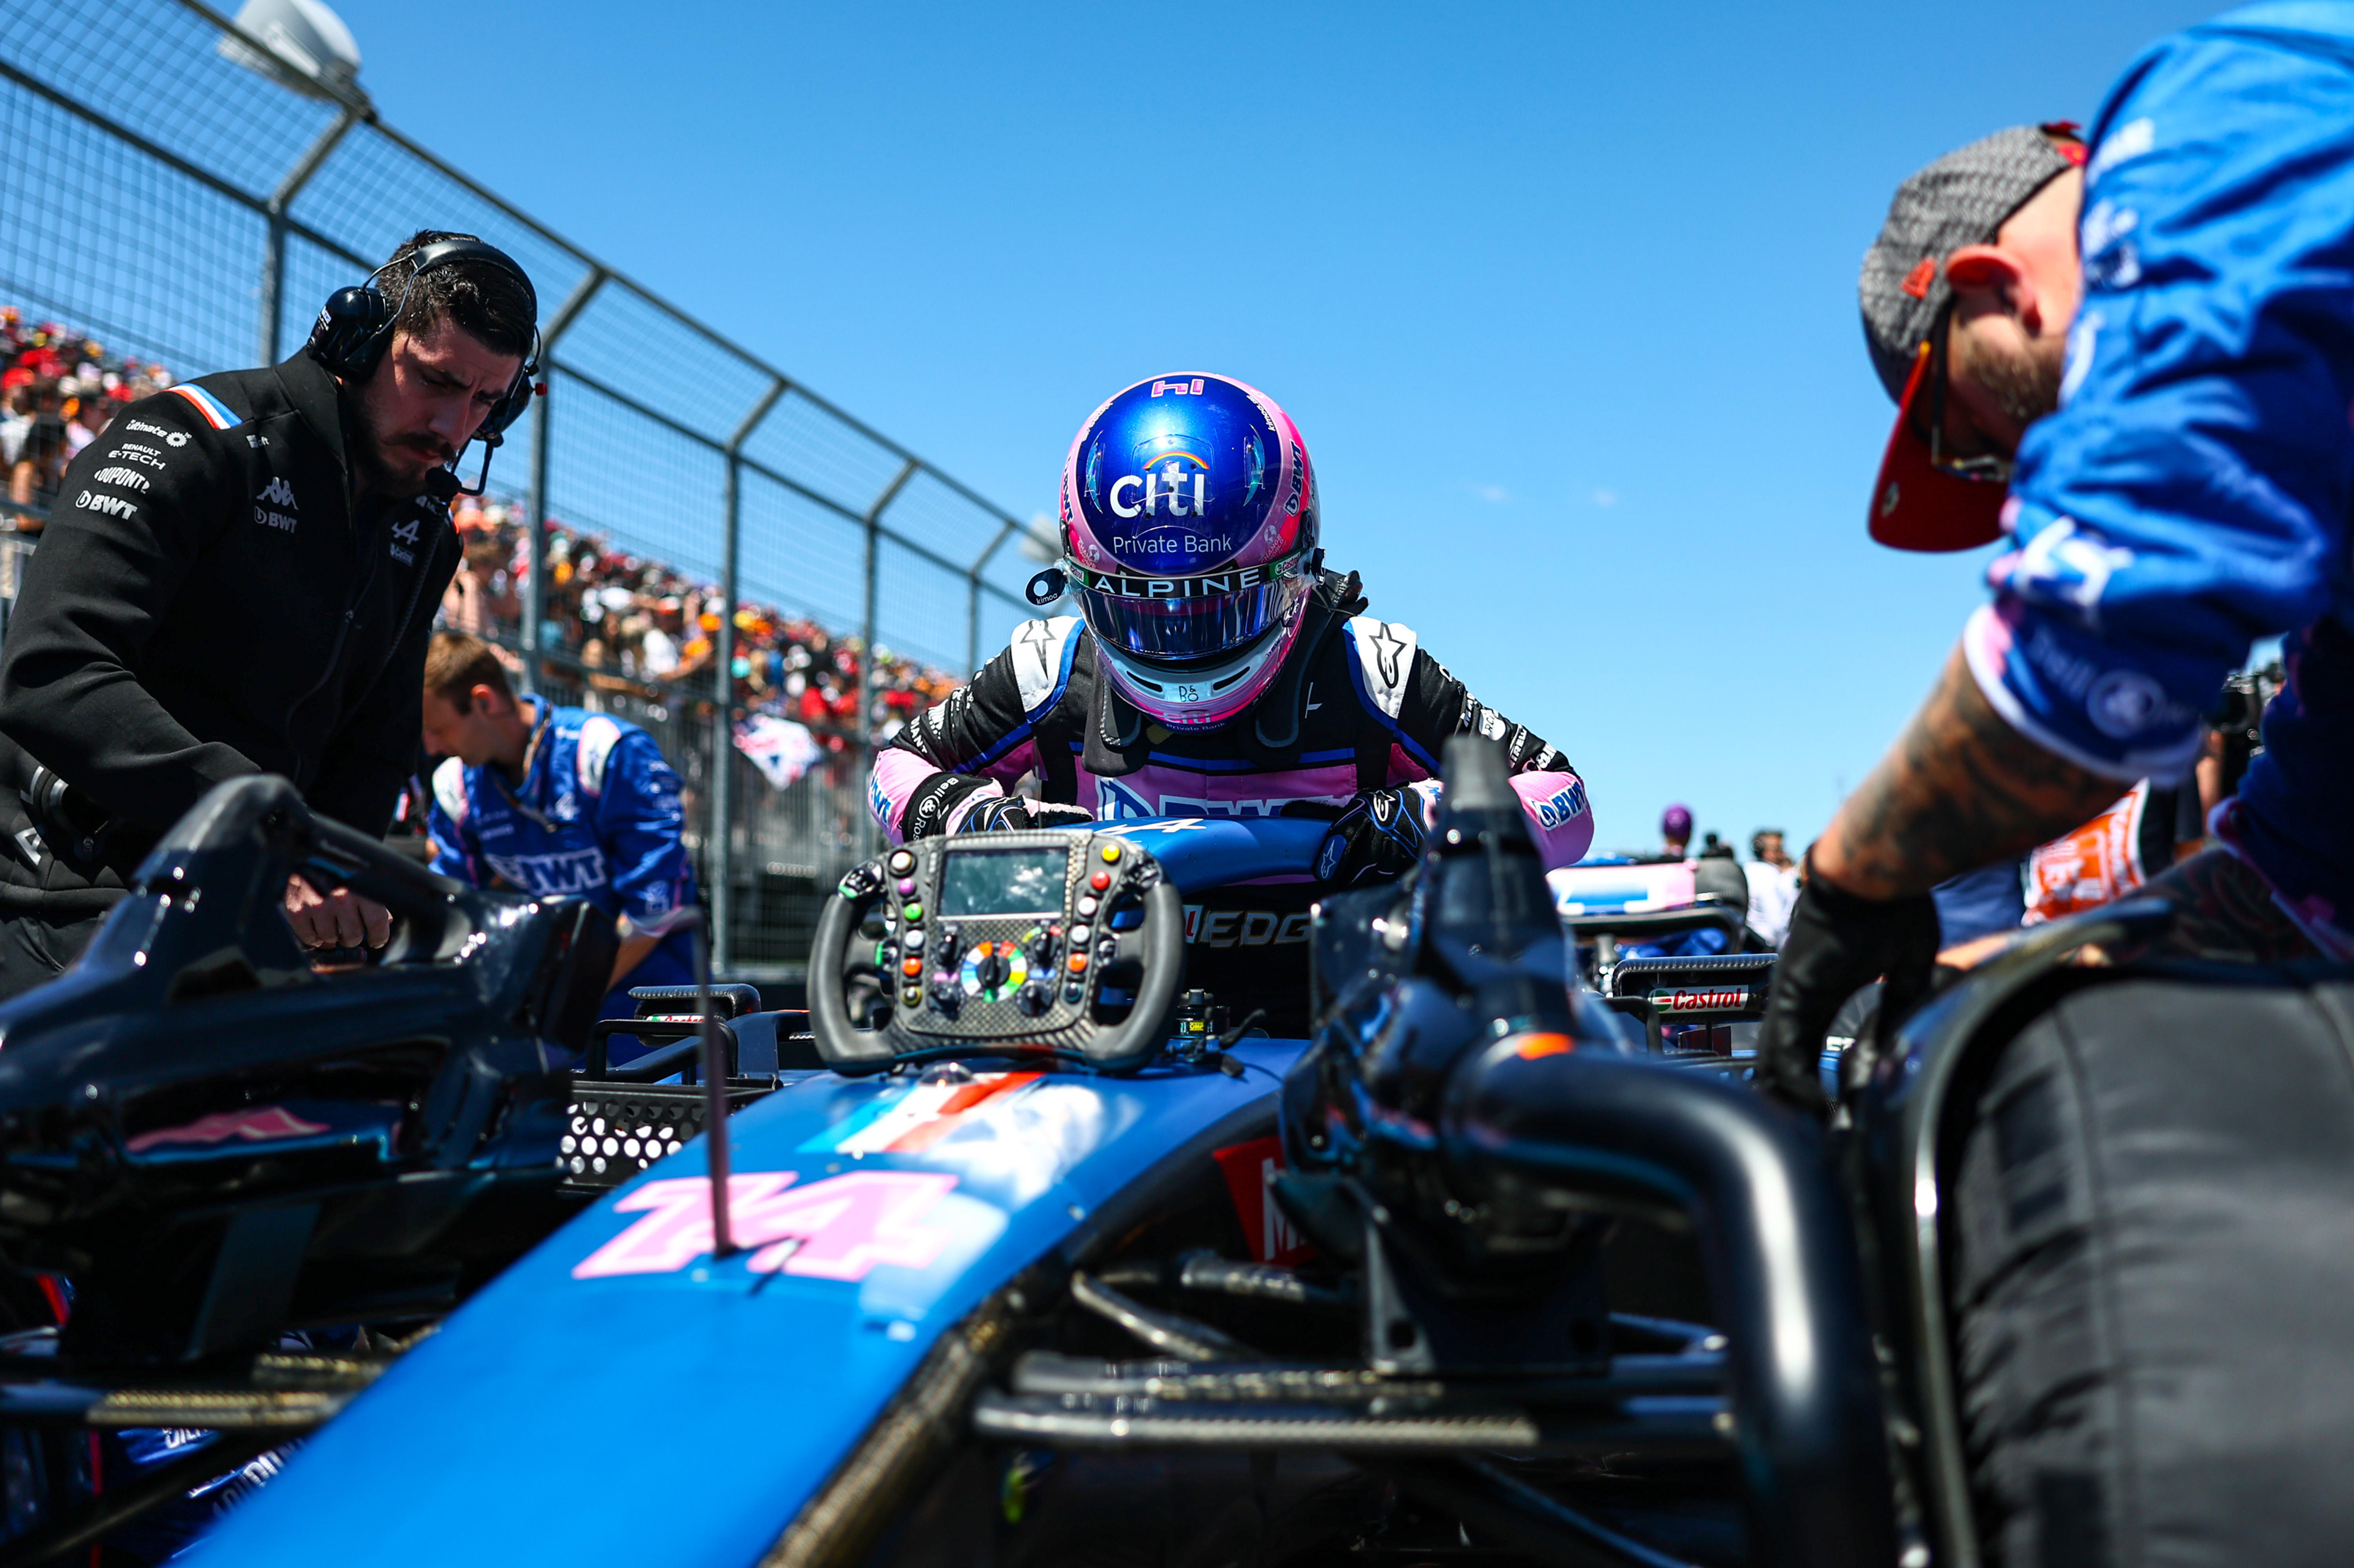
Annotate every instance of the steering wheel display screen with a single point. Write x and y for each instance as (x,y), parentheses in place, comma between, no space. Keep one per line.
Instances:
(1002,882)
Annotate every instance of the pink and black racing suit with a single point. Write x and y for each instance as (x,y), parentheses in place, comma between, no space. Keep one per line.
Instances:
(1359,705)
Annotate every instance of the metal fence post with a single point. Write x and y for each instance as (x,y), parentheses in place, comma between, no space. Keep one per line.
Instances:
(273,258)
(535,603)
(720,890)
(866,671)
(972,603)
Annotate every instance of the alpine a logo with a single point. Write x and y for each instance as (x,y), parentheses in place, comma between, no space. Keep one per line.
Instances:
(278,493)
(1726,999)
(111,506)
(404,535)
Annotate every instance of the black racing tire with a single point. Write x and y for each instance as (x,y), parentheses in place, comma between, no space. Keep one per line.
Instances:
(2152,1267)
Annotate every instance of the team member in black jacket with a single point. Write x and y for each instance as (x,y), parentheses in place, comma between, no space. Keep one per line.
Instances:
(239,576)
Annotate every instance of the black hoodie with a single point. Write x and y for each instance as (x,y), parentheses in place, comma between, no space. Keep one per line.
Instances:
(208,601)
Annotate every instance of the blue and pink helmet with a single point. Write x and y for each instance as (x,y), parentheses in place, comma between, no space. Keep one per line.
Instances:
(1188,536)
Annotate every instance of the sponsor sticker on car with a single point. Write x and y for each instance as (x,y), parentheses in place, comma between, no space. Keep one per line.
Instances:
(842,1227)
(1686,1002)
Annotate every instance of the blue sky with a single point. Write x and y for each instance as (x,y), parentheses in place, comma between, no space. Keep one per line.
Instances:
(1562,297)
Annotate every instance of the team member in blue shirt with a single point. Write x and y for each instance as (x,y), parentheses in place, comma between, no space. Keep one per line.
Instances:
(2163,345)
(554,800)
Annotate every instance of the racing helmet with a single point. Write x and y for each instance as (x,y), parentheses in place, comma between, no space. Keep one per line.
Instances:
(1189,539)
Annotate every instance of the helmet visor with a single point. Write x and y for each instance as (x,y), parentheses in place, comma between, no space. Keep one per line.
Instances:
(1189,620)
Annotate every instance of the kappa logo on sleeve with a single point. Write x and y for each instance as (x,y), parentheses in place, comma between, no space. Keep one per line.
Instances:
(278,493)
(839,1228)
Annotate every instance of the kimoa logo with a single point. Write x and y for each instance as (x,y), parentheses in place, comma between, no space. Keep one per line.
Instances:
(278,493)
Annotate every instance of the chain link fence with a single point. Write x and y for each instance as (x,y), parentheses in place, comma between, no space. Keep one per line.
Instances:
(170,187)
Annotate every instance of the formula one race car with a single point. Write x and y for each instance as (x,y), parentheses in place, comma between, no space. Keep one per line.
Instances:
(1049,1265)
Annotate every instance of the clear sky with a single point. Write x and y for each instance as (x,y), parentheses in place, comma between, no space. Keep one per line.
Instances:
(1563,296)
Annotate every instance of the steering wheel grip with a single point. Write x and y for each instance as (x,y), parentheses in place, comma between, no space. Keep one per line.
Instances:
(1129,1046)
(853,1051)
(846,1049)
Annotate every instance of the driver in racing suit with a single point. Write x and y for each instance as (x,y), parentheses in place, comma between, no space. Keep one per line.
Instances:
(1214,668)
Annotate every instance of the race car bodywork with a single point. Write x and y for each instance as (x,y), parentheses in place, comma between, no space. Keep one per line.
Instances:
(947,1266)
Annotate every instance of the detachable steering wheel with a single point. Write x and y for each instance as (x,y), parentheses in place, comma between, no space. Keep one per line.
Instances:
(1019,941)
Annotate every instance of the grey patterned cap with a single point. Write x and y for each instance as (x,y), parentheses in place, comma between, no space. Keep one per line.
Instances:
(1961,199)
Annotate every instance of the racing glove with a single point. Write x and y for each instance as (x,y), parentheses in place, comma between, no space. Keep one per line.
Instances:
(1839,943)
(1378,836)
(1013,814)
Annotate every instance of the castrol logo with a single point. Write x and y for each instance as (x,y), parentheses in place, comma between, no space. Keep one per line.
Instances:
(1727,999)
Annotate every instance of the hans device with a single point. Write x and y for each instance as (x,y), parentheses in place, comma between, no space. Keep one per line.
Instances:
(1062,941)
(355,327)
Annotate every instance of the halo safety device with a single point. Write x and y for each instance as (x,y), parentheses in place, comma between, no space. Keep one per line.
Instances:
(356,326)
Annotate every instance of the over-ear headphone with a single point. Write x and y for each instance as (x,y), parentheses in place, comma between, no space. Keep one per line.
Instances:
(354,326)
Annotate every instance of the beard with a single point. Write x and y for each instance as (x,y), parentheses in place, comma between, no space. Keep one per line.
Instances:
(2020,381)
(397,469)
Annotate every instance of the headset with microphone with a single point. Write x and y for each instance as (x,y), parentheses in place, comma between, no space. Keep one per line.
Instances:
(355,327)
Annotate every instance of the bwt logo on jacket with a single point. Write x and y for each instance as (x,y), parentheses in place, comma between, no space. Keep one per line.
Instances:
(549,876)
(112,506)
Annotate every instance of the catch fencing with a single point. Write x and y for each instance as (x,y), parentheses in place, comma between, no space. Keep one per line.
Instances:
(171,185)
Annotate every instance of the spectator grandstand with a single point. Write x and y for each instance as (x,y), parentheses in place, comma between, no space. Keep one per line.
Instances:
(639,624)
(58,388)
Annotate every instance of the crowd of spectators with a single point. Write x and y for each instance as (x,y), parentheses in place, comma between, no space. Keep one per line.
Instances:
(637,623)
(57,390)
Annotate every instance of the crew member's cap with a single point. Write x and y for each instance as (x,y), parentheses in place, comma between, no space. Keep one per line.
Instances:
(1963,198)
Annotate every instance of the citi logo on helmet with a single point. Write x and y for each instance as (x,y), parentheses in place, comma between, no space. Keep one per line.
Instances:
(1165,484)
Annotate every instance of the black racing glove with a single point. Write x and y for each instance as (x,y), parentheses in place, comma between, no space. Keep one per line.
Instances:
(1839,943)
(1378,836)
(1012,814)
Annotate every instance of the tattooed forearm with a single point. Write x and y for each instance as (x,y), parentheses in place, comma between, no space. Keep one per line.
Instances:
(1960,789)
